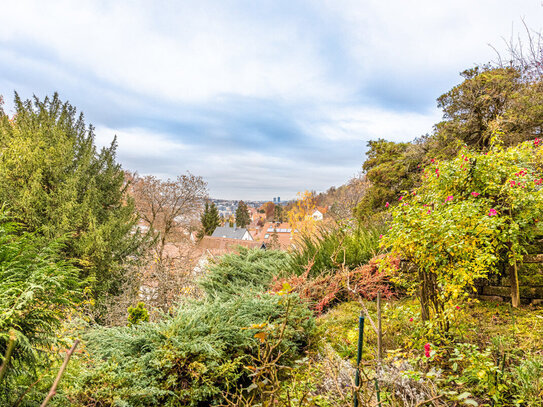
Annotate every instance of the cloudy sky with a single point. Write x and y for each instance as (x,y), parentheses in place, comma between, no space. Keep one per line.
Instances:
(261,98)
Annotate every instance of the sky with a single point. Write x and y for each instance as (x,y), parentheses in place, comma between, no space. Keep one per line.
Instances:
(260,98)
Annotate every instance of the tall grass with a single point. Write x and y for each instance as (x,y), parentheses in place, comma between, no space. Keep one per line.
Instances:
(332,247)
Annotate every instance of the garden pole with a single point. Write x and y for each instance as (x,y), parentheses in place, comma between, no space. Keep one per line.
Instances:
(379,348)
(359,356)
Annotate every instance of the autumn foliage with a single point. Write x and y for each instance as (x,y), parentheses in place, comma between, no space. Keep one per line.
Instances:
(328,289)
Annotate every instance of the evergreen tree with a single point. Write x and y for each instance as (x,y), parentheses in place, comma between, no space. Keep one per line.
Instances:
(55,182)
(279,214)
(210,220)
(243,217)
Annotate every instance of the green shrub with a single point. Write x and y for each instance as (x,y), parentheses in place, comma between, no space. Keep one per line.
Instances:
(198,355)
(191,358)
(248,270)
(137,314)
(37,291)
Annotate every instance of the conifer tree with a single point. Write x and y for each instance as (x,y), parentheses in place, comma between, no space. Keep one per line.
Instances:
(243,217)
(55,182)
(210,219)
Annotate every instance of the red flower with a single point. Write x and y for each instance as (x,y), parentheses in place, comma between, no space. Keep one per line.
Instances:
(386,205)
(427,349)
(475,194)
(410,319)
(449,198)
(457,307)
(492,212)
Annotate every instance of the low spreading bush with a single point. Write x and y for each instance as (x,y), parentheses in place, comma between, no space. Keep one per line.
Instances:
(247,270)
(204,351)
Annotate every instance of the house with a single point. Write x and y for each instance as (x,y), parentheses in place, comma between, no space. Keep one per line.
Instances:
(280,234)
(232,233)
(318,213)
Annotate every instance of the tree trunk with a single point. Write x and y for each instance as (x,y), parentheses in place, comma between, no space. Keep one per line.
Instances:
(513,280)
(424,296)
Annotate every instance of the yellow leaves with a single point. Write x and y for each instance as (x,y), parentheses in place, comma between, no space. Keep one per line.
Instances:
(287,289)
(301,215)
(261,336)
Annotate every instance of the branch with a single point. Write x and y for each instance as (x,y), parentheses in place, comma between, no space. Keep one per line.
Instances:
(9,350)
(53,390)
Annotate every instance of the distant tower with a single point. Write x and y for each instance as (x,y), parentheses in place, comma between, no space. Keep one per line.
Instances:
(278,199)
(274,199)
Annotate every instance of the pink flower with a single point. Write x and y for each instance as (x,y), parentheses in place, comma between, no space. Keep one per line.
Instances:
(380,236)
(401,197)
(386,205)
(536,141)
(458,307)
(449,198)
(538,181)
(475,194)
(427,349)
(429,211)
(492,212)
(432,160)
(410,319)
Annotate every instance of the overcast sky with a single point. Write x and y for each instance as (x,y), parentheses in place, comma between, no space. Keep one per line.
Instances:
(261,98)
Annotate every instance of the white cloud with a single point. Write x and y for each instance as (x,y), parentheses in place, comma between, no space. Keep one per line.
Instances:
(340,71)
(355,123)
(194,54)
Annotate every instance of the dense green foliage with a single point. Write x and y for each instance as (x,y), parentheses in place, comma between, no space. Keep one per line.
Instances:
(37,290)
(137,314)
(199,354)
(210,219)
(55,182)
(243,217)
(391,168)
(468,214)
(247,271)
(489,99)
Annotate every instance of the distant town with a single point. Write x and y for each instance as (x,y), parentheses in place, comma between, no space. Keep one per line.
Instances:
(228,207)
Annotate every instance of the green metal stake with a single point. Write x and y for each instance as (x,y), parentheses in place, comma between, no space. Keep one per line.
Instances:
(359,356)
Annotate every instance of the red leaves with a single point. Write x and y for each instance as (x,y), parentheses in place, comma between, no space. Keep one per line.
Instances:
(325,290)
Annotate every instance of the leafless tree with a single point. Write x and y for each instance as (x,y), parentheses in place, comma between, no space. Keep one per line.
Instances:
(525,54)
(168,208)
(345,198)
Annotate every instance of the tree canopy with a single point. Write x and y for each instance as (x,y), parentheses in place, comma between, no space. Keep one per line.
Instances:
(56,183)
